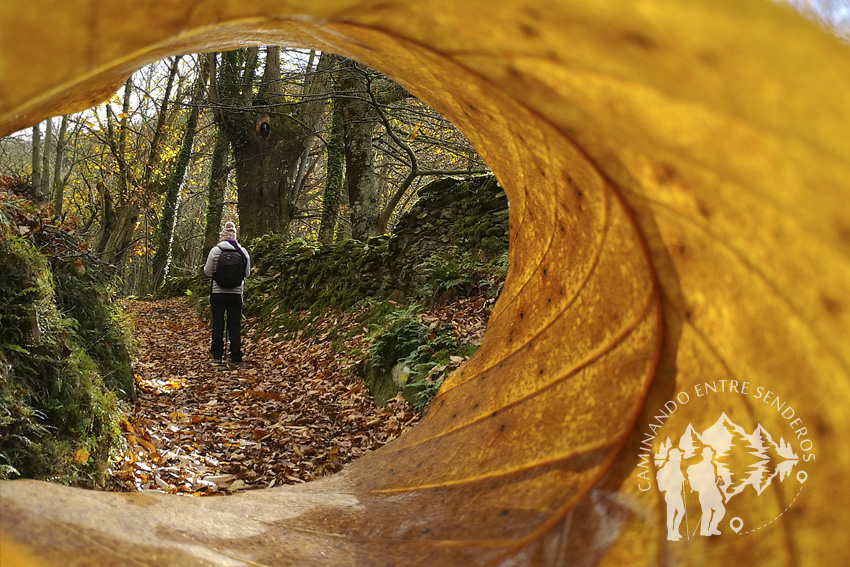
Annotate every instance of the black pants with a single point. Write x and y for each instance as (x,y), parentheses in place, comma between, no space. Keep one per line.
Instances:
(230,303)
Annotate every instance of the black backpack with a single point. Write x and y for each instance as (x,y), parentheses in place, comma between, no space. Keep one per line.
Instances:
(230,268)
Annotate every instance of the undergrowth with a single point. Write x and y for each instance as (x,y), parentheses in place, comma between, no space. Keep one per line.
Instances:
(451,245)
(64,352)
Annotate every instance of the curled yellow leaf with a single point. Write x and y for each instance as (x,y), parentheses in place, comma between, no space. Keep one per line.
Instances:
(678,174)
(80,456)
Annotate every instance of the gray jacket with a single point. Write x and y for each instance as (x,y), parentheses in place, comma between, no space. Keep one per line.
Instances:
(212,261)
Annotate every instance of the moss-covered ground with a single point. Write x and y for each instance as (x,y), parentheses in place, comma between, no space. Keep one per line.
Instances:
(64,352)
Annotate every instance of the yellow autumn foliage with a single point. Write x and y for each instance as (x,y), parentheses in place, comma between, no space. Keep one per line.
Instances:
(679,175)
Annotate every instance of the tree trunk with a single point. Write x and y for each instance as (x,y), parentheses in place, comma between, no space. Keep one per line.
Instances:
(360,172)
(265,158)
(120,238)
(36,161)
(58,180)
(155,152)
(172,189)
(267,142)
(107,217)
(258,137)
(123,169)
(118,225)
(45,158)
(215,190)
(333,177)
(315,93)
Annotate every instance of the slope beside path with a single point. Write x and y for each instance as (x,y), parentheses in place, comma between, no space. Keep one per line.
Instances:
(291,413)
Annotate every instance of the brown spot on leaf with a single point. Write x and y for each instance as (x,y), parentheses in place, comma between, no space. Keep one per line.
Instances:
(528,31)
(666,174)
(710,58)
(639,39)
(843,233)
(533,13)
(832,305)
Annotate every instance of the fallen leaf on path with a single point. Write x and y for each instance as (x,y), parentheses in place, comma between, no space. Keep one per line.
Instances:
(81,456)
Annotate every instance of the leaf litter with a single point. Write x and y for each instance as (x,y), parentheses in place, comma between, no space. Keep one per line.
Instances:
(292,412)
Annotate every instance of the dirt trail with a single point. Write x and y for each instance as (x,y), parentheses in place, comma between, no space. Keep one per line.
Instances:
(291,413)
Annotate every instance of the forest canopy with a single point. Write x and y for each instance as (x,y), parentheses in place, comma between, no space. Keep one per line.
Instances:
(286,141)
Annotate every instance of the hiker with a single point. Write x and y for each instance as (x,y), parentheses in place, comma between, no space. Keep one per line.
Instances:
(671,482)
(703,478)
(228,264)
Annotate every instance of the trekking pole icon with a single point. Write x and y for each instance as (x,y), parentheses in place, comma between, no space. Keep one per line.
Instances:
(685,501)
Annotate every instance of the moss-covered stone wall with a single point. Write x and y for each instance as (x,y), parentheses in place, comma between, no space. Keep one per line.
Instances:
(446,244)
(64,354)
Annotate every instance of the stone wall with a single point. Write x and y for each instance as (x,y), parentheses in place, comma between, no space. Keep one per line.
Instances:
(451,244)
(455,227)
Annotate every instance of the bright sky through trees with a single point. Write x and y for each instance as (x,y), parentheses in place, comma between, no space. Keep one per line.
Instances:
(834,14)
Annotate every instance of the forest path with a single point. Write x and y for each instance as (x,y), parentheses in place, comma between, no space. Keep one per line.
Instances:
(290,413)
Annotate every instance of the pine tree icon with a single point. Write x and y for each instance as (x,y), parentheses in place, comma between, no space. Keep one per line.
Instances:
(741,459)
